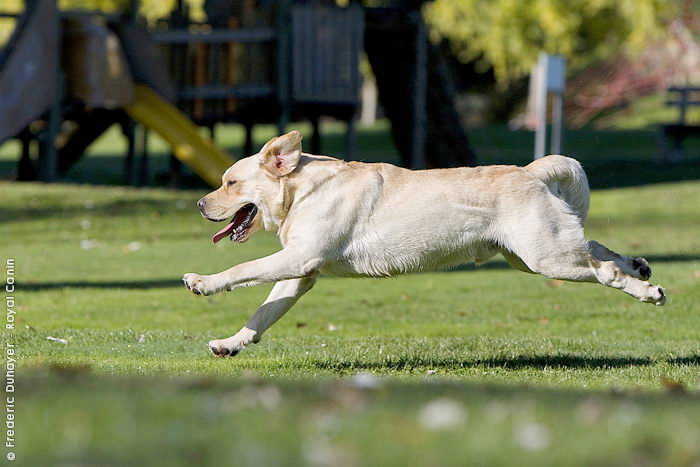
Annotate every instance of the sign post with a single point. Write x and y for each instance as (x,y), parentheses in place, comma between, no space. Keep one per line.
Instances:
(548,77)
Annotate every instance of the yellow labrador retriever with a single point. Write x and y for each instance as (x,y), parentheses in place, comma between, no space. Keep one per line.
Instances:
(372,220)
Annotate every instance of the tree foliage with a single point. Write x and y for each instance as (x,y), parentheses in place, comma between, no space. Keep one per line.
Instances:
(150,9)
(508,35)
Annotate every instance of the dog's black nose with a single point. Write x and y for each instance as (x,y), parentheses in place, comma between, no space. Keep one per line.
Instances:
(201,203)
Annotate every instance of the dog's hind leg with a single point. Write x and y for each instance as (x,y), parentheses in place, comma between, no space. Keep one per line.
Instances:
(282,297)
(635,267)
(550,241)
(609,273)
(583,267)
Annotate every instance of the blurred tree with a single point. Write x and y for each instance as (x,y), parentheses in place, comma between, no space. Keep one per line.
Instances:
(508,35)
(102,5)
(152,10)
(7,25)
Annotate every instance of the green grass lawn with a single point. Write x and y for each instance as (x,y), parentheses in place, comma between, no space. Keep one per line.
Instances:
(100,268)
(486,365)
(77,419)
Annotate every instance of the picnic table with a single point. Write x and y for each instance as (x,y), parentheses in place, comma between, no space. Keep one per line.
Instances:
(675,133)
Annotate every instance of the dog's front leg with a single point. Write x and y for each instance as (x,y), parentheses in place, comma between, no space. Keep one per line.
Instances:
(282,297)
(285,264)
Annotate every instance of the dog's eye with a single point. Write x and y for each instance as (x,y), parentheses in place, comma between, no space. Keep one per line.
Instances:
(230,183)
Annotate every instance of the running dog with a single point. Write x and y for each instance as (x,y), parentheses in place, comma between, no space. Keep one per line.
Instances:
(354,219)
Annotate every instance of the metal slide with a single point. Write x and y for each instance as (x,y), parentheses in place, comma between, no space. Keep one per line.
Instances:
(28,65)
(189,145)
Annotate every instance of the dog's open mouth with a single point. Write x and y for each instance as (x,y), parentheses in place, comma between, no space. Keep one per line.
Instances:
(239,226)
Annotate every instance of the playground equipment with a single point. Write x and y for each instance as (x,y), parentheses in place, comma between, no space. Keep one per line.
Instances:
(97,74)
(67,76)
(415,88)
(189,146)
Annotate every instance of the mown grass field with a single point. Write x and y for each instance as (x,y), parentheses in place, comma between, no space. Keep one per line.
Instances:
(481,365)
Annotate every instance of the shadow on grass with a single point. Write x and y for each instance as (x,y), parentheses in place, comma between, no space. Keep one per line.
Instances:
(507,363)
(514,363)
(49,209)
(562,361)
(692,360)
(626,173)
(374,145)
(612,158)
(108,169)
(144,284)
(671,258)
(165,283)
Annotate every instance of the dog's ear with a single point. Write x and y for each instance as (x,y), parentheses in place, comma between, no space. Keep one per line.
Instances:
(280,155)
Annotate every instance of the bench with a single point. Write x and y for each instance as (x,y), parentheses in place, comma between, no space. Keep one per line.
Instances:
(676,133)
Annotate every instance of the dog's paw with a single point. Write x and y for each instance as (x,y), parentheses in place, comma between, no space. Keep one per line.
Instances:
(219,348)
(198,284)
(231,346)
(656,295)
(641,268)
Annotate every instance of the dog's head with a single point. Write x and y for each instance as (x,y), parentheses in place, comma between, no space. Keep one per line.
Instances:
(252,192)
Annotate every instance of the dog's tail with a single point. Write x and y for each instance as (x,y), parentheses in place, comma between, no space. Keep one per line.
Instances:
(565,178)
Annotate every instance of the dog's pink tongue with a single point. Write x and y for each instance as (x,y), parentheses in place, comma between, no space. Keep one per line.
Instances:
(225,232)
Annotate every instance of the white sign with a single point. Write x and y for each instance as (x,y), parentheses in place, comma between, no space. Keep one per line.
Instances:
(556,73)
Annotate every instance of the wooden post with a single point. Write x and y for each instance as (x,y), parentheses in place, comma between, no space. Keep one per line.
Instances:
(133,11)
(128,125)
(48,165)
(557,122)
(351,138)
(420,82)
(540,93)
(25,168)
(316,135)
(143,162)
(248,143)
(174,169)
(129,131)
(683,106)
(283,65)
